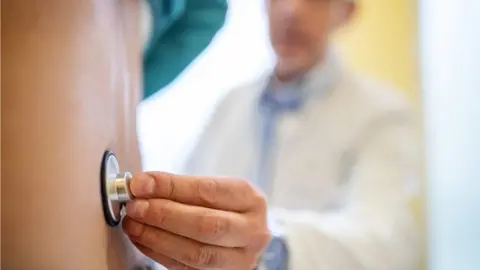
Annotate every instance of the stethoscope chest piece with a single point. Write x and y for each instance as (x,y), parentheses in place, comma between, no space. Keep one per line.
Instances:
(114,188)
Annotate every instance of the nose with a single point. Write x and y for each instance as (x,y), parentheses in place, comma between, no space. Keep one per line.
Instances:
(290,9)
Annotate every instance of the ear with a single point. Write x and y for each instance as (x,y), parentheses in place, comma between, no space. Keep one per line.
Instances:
(343,13)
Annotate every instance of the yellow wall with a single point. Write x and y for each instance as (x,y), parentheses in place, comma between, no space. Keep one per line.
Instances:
(382,41)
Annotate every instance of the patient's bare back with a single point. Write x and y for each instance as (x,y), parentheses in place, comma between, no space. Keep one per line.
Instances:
(70,81)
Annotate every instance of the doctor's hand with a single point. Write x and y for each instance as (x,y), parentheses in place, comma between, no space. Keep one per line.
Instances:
(190,222)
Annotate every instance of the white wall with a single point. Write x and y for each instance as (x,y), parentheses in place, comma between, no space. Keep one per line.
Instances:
(169,122)
(450,39)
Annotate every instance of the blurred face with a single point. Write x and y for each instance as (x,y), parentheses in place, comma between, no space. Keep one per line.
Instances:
(299,29)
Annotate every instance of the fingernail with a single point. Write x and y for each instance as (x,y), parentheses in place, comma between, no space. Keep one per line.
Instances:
(137,208)
(132,228)
(142,185)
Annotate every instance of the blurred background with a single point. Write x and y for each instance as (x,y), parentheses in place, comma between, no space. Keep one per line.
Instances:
(430,49)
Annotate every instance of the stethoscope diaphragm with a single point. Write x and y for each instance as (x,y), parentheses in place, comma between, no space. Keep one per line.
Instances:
(115,189)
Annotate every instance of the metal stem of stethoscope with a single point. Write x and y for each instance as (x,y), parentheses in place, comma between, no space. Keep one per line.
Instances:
(115,188)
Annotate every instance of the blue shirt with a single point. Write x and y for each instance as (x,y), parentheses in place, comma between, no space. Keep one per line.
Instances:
(274,102)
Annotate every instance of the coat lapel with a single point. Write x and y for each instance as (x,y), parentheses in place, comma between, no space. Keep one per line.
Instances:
(311,144)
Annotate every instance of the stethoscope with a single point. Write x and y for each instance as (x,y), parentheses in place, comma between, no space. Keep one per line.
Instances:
(115,188)
(115,192)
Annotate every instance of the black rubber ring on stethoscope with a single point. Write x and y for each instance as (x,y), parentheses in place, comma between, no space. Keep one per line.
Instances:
(105,201)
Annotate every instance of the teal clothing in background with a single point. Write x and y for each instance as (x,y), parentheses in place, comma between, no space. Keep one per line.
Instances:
(181,30)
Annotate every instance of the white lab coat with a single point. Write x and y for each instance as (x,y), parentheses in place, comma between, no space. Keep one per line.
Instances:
(343,173)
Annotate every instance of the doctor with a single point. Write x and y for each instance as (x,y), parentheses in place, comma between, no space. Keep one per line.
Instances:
(334,152)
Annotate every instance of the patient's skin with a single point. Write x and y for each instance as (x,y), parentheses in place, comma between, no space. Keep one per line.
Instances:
(70,80)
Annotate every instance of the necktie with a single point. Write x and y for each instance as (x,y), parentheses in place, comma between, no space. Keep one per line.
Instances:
(273,104)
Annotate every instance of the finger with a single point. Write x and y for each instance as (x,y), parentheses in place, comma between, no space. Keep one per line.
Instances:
(187,251)
(166,262)
(216,227)
(213,192)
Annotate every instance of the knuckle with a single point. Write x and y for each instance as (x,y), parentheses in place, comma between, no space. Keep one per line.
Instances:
(207,191)
(203,257)
(259,201)
(259,240)
(251,193)
(265,239)
(213,227)
(246,185)
(246,189)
